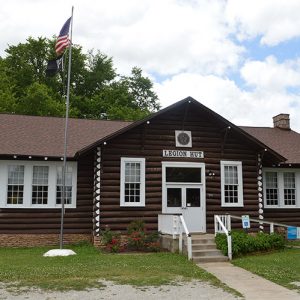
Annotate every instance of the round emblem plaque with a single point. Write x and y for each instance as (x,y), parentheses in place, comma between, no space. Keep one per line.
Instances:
(183,138)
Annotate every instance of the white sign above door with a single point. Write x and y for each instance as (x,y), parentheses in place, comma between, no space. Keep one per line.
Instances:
(183,153)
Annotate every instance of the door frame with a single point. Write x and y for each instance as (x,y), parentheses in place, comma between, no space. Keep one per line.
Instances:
(178,164)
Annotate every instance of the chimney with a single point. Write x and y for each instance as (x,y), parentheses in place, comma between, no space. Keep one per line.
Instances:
(282,121)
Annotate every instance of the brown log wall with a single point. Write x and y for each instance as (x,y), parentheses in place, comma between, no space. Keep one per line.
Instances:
(148,140)
(288,216)
(47,221)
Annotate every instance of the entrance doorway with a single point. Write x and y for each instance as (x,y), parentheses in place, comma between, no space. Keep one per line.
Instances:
(183,185)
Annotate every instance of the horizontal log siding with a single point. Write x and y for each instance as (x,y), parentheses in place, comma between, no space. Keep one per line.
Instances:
(148,141)
(288,216)
(45,221)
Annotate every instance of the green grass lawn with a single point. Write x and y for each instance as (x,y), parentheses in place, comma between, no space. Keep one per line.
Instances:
(293,243)
(282,267)
(28,267)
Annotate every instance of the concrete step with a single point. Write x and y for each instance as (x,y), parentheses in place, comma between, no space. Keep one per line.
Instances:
(201,246)
(204,249)
(203,240)
(206,259)
(207,252)
(203,235)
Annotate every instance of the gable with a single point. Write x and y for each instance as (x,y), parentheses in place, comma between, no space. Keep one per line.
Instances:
(188,108)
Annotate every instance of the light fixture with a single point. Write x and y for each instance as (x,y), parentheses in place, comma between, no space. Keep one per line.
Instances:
(211,174)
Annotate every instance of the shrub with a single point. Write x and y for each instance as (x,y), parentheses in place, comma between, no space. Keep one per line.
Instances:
(137,240)
(138,225)
(106,236)
(140,240)
(243,243)
(153,246)
(112,241)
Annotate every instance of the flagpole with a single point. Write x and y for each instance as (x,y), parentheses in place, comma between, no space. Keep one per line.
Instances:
(66,141)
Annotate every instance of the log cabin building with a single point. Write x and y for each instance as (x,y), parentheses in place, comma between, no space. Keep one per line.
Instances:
(185,159)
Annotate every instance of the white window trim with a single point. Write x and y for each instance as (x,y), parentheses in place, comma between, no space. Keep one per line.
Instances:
(240,202)
(140,160)
(28,174)
(280,187)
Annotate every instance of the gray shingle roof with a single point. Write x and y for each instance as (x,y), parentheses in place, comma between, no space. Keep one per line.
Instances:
(44,136)
(285,142)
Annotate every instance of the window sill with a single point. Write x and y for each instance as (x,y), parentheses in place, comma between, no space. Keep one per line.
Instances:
(37,206)
(132,205)
(282,207)
(232,205)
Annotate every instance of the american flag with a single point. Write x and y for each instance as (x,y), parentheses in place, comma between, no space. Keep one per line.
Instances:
(63,39)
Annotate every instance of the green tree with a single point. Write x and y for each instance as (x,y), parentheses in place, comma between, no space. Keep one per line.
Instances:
(39,100)
(97,90)
(141,89)
(115,102)
(26,63)
(7,97)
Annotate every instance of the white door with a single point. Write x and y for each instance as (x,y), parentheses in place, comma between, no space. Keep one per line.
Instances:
(184,192)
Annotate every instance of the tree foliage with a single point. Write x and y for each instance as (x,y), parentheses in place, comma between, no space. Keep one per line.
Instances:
(97,90)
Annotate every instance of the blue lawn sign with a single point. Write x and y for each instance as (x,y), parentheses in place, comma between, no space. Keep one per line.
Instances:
(245,221)
(292,233)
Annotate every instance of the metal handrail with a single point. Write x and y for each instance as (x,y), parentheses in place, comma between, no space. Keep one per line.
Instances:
(262,222)
(188,237)
(228,218)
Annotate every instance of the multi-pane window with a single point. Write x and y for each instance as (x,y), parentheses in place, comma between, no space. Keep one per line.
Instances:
(232,185)
(271,188)
(289,188)
(15,186)
(132,181)
(280,188)
(68,185)
(40,185)
(36,184)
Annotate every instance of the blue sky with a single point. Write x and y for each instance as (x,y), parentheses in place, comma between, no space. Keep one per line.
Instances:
(240,58)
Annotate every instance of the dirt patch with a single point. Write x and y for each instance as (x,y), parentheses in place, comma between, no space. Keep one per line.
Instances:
(193,290)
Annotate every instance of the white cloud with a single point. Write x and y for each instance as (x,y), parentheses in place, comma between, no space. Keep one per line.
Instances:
(168,37)
(222,95)
(270,75)
(164,37)
(274,20)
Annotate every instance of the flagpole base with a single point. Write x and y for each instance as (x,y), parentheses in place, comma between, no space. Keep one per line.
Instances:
(59,252)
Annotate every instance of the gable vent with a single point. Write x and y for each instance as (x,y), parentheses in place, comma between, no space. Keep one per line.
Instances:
(183,138)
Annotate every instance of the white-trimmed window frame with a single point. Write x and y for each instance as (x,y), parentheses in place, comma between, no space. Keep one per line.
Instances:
(280,187)
(239,166)
(28,176)
(142,162)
